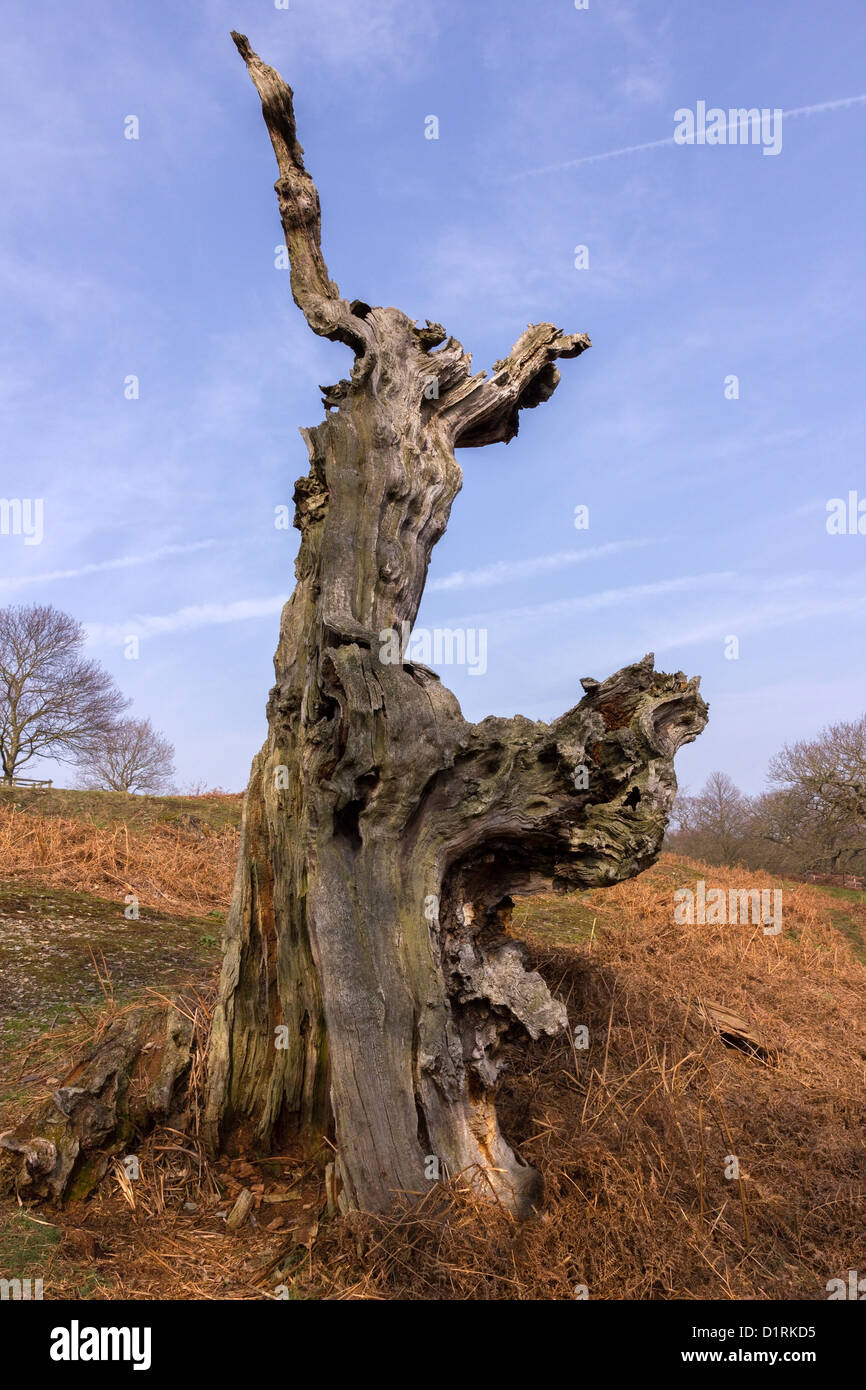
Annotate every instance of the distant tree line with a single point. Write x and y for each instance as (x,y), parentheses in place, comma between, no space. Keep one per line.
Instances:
(56,703)
(810,820)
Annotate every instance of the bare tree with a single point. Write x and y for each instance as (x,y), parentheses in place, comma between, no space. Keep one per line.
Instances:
(714,825)
(54,702)
(819,806)
(132,757)
(787,835)
(811,820)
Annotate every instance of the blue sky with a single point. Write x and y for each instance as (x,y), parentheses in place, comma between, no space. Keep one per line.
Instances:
(155,257)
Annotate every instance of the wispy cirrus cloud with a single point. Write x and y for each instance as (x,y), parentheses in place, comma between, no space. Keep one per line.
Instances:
(187,619)
(633,594)
(767,617)
(507,571)
(202,615)
(98,566)
(815,110)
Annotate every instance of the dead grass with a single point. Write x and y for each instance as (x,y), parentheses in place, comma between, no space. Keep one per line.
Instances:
(186,865)
(634,1137)
(635,1134)
(213,807)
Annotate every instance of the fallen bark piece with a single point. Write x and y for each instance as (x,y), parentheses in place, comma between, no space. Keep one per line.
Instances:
(331,1188)
(240,1211)
(737,1032)
(306,1229)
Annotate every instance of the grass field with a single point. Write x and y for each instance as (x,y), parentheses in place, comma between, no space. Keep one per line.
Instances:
(107,810)
(174,853)
(634,1132)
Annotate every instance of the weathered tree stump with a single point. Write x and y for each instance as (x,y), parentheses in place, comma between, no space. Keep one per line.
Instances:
(369,977)
(384,835)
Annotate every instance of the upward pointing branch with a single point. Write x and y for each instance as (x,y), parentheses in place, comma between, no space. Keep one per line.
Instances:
(313,291)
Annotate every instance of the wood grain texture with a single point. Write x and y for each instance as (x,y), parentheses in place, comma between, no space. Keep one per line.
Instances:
(384,834)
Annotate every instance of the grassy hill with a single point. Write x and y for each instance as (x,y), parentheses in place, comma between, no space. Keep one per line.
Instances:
(633,1125)
(174,853)
(109,809)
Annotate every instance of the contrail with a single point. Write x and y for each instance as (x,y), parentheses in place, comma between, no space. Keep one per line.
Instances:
(187,619)
(505,571)
(669,140)
(97,566)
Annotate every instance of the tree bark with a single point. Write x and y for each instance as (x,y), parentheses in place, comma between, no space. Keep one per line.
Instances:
(383,835)
(130,1080)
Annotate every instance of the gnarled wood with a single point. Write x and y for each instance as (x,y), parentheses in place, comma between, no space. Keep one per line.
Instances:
(384,835)
(129,1080)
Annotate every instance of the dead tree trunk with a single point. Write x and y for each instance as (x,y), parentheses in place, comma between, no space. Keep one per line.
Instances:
(369,976)
(383,835)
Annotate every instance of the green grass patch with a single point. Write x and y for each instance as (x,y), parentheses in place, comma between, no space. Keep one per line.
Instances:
(555,920)
(853,931)
(26,1245)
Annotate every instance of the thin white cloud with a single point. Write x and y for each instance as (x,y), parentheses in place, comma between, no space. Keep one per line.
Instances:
(810,508)
(184,619)
(764,619)
(814,110)
(641,85)
(592,603)
(242,610)
(333,34)
(505,571)
(97,566)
